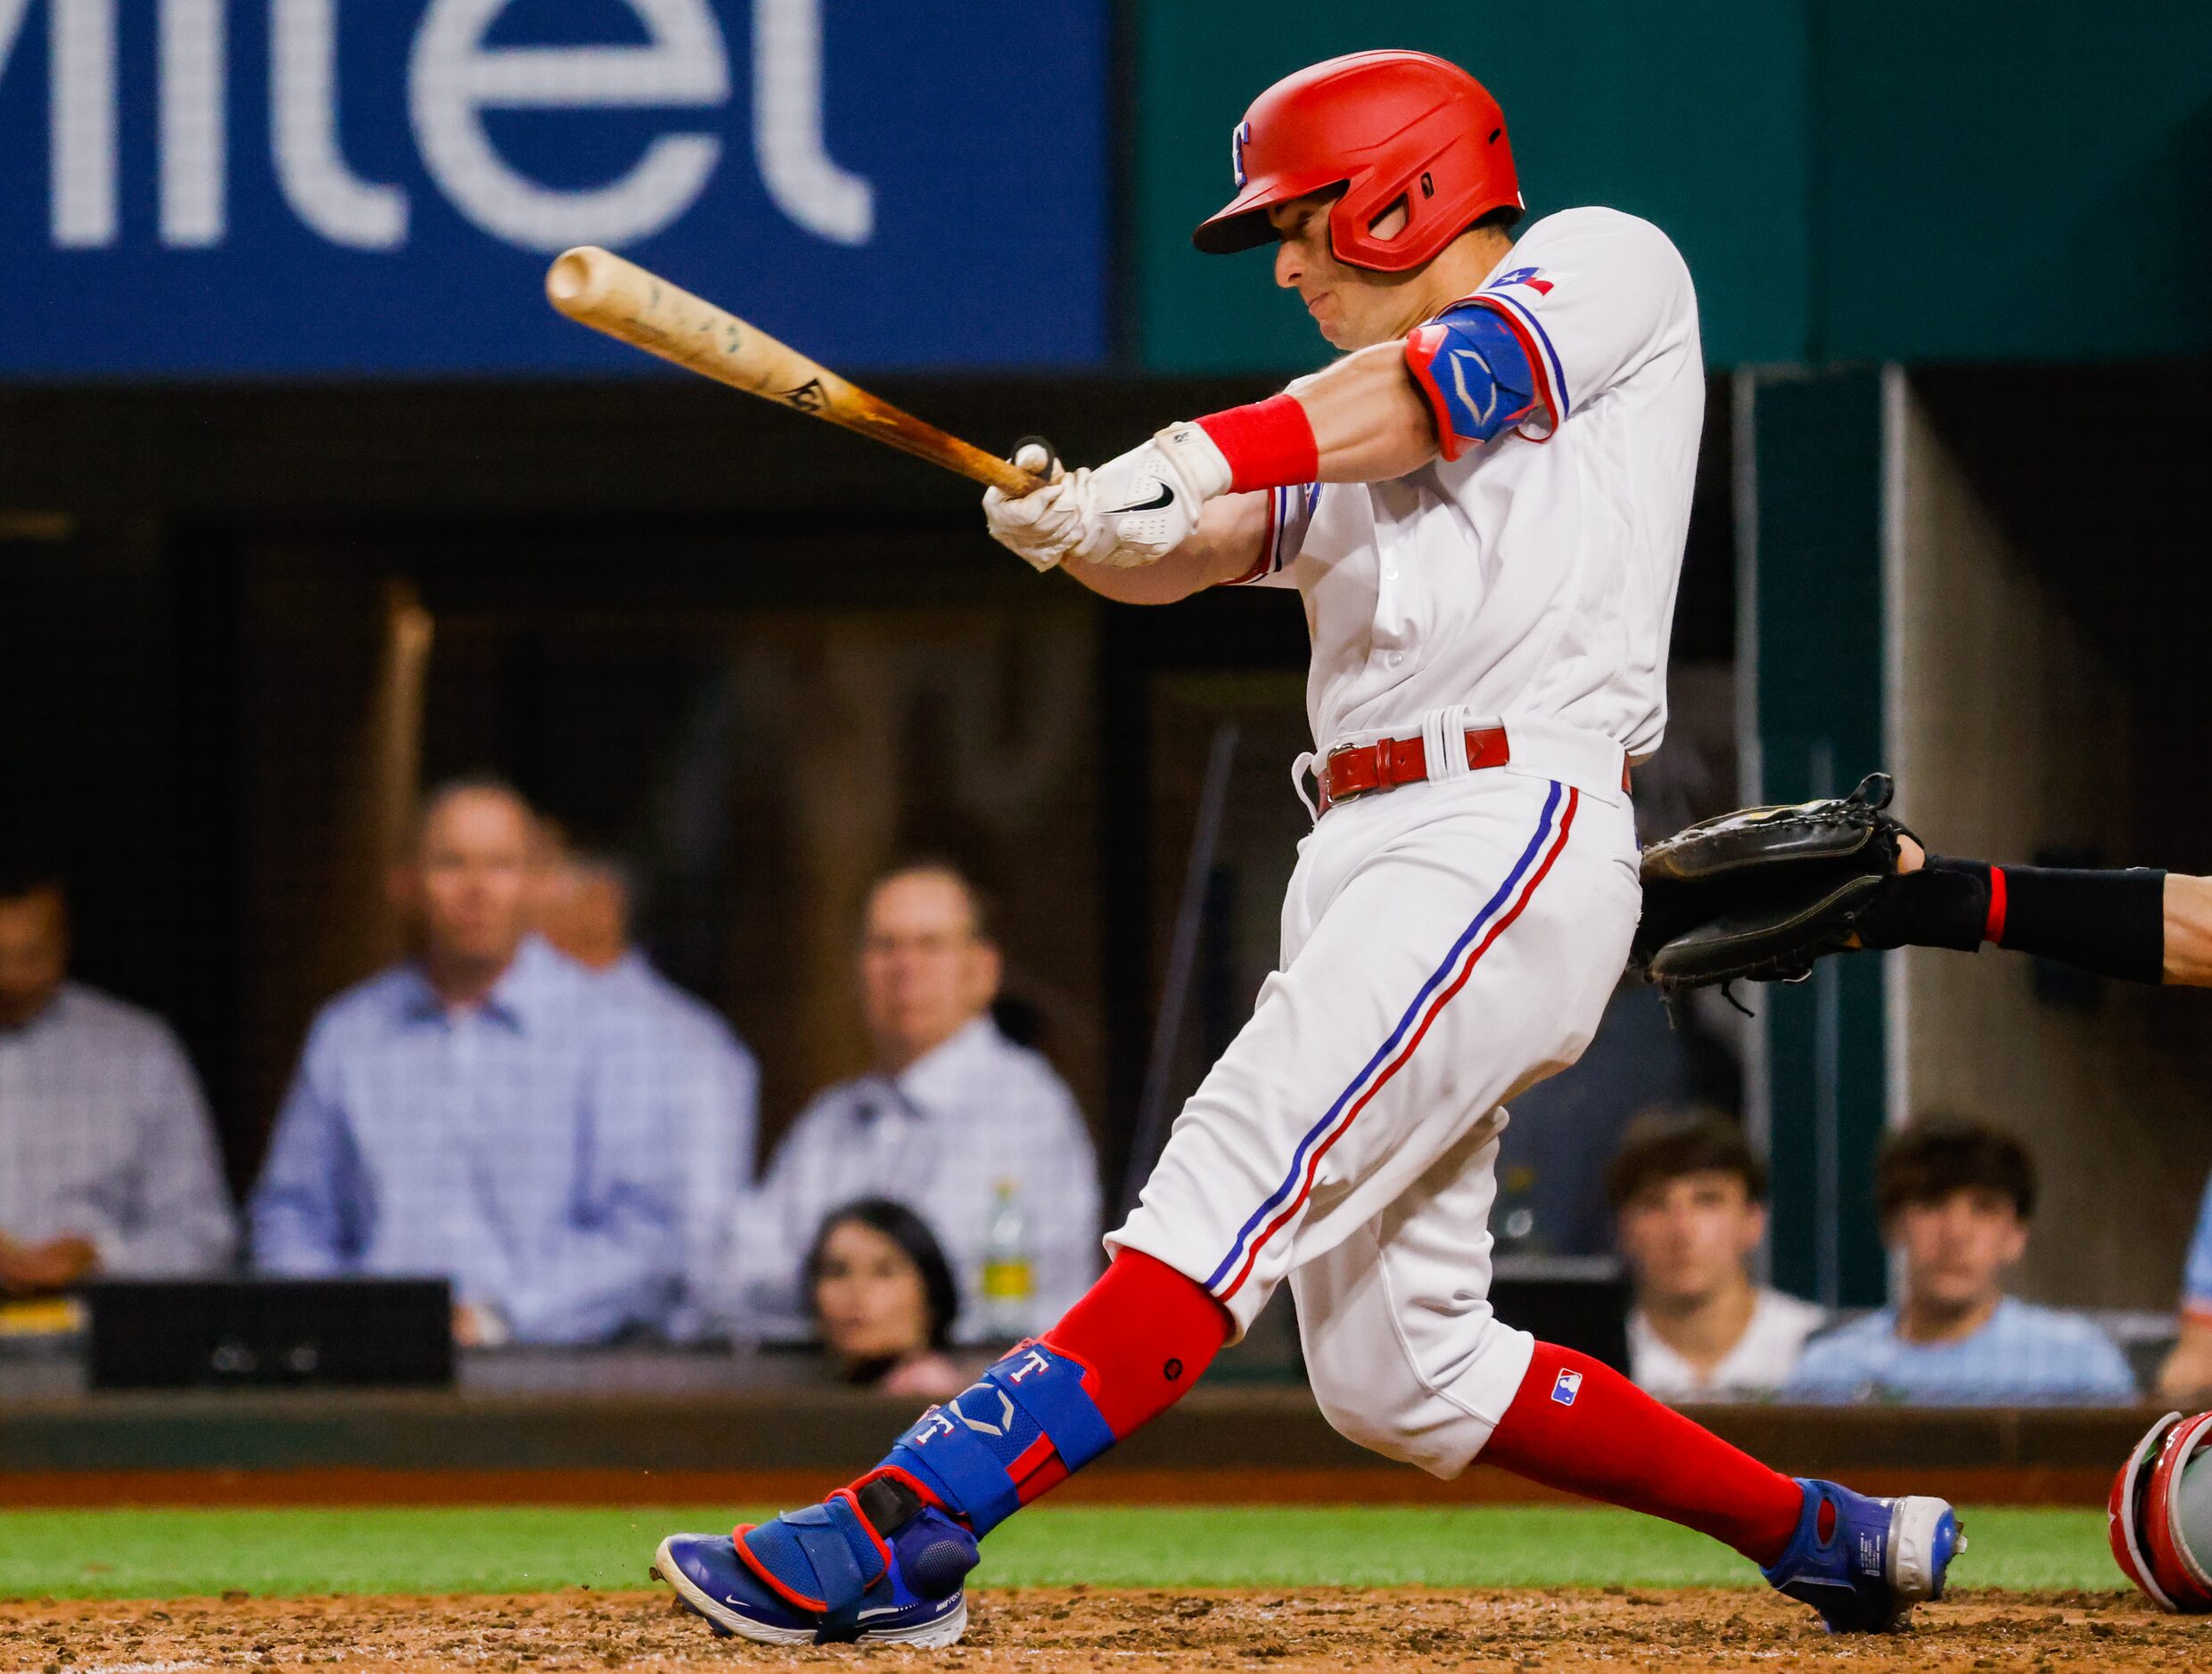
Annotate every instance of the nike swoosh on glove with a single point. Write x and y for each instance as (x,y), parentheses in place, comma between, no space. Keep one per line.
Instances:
(1141,506)
(1041,527)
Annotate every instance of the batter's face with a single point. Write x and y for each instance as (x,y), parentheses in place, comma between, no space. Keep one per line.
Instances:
(1687,1239)
(925,973)
(34,954)
(868,1296)
(1353,307)
(469,887)
(1958,1249)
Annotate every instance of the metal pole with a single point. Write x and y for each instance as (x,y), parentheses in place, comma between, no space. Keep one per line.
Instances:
(1167,1029)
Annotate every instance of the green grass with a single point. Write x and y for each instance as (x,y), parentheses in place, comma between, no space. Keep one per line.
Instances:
(178,1553)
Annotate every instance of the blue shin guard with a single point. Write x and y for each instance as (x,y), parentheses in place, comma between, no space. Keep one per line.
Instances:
(1029,1421)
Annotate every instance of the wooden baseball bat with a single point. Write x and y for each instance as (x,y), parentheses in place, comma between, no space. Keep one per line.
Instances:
(599,289)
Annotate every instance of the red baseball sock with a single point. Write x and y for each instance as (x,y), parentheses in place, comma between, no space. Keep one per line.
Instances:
(1143,1333)
(1581,1427)
(1146,1333)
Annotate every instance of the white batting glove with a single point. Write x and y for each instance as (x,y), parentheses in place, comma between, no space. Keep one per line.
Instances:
(1140,507)
(1041,527)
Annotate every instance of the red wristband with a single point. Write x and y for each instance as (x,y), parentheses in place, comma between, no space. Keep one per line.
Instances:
(1994,931)
(1269,443)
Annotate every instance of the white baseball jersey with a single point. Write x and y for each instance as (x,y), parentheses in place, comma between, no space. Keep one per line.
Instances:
(1534,575)
(1450,943)
(1758,1364)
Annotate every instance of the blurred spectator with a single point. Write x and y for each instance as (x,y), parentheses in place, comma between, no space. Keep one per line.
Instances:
(1690,1203)
(1956,1198)
(582,904)
(484,1111)
(955,1122)
(2186,1377)
(883,1300)
(107,1159)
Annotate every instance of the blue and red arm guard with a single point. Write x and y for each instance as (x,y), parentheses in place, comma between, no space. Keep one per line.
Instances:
(1472,370)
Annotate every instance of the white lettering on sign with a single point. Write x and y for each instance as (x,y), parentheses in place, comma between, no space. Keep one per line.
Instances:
(192,128)
(303,100)
(795,165)
(80,161)
(455,78)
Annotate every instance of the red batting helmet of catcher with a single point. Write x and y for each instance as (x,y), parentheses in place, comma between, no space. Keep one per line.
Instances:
(2160,1524)
(1388,127)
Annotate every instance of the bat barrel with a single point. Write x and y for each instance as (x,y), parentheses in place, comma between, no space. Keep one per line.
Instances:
(596,288)
(580,279)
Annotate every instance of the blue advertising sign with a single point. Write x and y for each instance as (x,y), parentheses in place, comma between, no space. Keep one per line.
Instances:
(252,187)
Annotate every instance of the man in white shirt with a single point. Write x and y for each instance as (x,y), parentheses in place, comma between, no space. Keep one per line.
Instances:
(108,1162)
(952,1114)
(1689,1203)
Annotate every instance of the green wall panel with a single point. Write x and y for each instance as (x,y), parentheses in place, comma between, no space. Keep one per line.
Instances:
(1851,180)
(1689,114)
(1817,615)
(2006,180)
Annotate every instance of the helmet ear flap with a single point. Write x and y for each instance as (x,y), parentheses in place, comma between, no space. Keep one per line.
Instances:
(2125,1512)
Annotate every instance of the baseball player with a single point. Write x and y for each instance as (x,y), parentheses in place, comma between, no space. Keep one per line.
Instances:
(1483,505)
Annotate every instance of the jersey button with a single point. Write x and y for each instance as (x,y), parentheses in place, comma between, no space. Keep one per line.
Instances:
(1395,658)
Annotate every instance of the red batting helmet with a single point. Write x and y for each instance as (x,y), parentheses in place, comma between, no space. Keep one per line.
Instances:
(1387,127)
(2161,1514)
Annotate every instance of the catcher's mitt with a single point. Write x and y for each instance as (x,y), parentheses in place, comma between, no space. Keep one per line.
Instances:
(1763,892)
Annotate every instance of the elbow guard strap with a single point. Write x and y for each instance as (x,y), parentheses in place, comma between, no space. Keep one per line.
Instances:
(1474,373)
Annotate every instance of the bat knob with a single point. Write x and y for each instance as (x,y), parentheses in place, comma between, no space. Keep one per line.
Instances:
(1037,455)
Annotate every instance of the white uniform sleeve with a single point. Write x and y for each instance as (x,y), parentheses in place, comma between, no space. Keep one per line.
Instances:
(1593,295)
(1289,513)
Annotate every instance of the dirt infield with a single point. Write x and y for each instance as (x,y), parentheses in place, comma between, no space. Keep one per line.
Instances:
(1053,1629)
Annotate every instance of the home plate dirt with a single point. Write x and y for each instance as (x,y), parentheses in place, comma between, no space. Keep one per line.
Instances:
(1044,1631)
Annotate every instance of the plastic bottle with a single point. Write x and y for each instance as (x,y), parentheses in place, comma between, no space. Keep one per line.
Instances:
(1010,1276)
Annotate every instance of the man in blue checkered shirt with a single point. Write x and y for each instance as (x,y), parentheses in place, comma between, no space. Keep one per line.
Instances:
(1956,1199)
(491,1112)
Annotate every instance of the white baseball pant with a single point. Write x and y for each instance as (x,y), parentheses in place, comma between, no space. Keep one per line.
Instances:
(1444,946)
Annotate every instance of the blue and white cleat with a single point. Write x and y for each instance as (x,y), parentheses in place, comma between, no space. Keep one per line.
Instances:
(878,1564)
(1865,1562)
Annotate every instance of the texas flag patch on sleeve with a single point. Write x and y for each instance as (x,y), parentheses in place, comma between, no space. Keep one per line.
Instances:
(1567,1386)
(1531,277)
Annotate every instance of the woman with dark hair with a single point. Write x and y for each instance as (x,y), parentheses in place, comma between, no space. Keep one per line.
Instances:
(884,1299)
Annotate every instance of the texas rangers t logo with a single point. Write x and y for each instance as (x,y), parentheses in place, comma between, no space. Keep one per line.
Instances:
(1566,1387)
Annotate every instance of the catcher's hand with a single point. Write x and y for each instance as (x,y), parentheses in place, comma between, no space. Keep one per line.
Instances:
(1763,892)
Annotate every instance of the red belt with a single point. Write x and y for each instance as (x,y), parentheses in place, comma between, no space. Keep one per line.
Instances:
(1357,770)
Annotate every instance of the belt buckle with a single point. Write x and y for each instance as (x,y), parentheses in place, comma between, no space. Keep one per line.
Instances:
(1375,754)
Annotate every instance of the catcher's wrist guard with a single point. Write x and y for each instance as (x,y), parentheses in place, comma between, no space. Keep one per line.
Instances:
(1946,904)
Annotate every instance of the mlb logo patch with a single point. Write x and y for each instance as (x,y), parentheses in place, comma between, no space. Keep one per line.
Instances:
(1566,1387)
